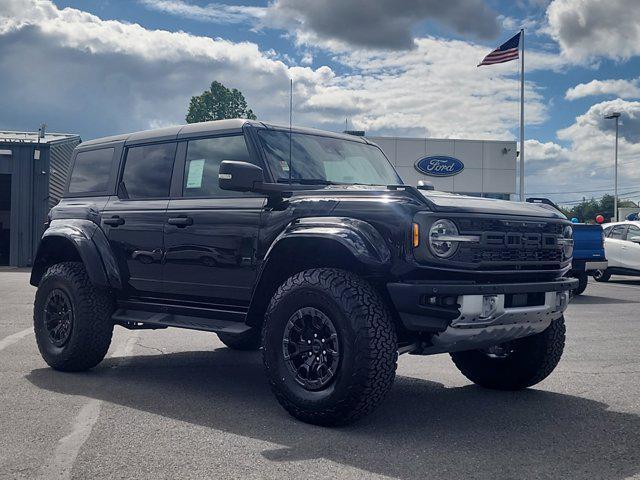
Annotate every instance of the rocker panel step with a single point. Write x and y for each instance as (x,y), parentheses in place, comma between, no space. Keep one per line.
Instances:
(124,316)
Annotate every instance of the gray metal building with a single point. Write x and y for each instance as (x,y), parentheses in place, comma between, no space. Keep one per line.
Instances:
(484,168)
(33,172)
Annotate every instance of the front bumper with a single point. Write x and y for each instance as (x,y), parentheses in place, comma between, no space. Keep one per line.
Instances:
(435,307)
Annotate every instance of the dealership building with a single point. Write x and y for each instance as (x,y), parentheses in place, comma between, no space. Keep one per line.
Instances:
(484,168)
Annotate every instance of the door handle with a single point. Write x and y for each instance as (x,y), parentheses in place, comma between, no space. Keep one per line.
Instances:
(180,222)
(114,221)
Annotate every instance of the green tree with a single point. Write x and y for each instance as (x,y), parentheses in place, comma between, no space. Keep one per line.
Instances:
(218,103)
(588,209)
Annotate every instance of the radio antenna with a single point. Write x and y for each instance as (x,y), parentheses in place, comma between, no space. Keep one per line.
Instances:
(290,123)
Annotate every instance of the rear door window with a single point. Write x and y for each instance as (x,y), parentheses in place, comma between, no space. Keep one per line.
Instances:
(91,171)
(147,170)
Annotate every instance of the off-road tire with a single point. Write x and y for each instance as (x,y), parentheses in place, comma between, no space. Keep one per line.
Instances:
(367,340)
(91,328)
(601,276)
(533,358)
(248,341)
(583,280)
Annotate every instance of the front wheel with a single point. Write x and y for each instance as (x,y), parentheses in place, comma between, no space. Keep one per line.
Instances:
(329,346)
(601,276)
(517,364)
(583,280)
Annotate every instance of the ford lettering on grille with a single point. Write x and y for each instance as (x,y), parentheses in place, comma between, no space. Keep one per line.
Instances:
(518,240)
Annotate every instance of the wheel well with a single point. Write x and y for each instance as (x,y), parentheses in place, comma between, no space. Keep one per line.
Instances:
(53,250)
(296,255)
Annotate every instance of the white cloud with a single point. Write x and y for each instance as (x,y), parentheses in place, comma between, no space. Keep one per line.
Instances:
(585,164)
(588,29)
(620,88)
(213,12)
(80,73)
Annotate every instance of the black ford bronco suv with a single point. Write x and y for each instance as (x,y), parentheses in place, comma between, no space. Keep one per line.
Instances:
(305,243)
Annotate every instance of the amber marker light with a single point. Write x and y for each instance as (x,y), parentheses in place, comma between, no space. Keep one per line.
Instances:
(416,235)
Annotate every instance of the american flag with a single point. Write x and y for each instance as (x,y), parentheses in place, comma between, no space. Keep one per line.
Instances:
(504,53)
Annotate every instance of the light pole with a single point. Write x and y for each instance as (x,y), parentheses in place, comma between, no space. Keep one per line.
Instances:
(616,116)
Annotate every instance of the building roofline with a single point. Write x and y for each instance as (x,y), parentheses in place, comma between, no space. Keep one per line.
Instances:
(32,138)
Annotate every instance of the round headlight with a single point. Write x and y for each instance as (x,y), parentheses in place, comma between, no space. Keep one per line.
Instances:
(567,232)
(439,244)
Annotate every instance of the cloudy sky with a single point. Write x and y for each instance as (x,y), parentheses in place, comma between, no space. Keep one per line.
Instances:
(392,67)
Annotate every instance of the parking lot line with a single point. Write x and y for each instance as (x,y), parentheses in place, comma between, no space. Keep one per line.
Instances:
(16,337)
(68,448)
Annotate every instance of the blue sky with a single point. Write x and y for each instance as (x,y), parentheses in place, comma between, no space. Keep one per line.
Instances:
(404,67)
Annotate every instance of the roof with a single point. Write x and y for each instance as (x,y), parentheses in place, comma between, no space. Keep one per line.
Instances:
(32,137)
(203,128)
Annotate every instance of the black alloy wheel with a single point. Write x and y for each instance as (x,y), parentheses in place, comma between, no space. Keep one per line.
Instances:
(311,349)
(58,315)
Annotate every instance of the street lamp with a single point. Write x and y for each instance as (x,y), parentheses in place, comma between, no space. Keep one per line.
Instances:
(611,116)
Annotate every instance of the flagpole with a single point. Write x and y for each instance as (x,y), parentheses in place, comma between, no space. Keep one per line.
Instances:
(522,196)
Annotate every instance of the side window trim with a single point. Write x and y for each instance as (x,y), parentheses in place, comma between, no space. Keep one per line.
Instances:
(178,169)
(123,165)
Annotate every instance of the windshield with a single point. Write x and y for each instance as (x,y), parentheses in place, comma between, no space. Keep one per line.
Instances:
(318,159)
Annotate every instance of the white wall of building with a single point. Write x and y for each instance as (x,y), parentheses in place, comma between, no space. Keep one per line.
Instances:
(489,166)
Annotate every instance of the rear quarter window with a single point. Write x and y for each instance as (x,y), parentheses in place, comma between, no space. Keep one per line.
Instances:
(91,171)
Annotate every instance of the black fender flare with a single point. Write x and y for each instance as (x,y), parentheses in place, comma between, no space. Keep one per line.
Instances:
(89,242)
(363,242)
(359,237)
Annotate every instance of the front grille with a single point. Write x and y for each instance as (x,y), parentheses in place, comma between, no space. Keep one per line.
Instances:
(511,243)
(476,254)
(472,225)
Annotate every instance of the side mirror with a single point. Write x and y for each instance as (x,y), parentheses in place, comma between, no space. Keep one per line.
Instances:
(239,176)
(635,239)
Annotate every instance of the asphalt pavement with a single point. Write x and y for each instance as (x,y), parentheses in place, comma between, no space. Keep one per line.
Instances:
(177,404)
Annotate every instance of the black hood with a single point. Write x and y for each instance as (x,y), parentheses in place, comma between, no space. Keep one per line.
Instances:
(447,202)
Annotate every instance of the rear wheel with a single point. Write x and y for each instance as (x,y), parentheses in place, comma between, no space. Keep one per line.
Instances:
(517,364)
(329,346)
(72,318)
(601,276)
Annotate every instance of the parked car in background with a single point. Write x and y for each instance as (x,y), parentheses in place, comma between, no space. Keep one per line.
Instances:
(622,248)
(588,248)
(589,254)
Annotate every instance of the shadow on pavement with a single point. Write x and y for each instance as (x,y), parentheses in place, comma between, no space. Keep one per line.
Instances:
(625,281)
(422,430)
(586,299)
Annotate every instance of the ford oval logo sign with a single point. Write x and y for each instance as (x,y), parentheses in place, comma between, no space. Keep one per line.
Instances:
(439,166)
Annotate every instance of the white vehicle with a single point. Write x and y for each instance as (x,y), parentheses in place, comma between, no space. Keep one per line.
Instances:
(622,248)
